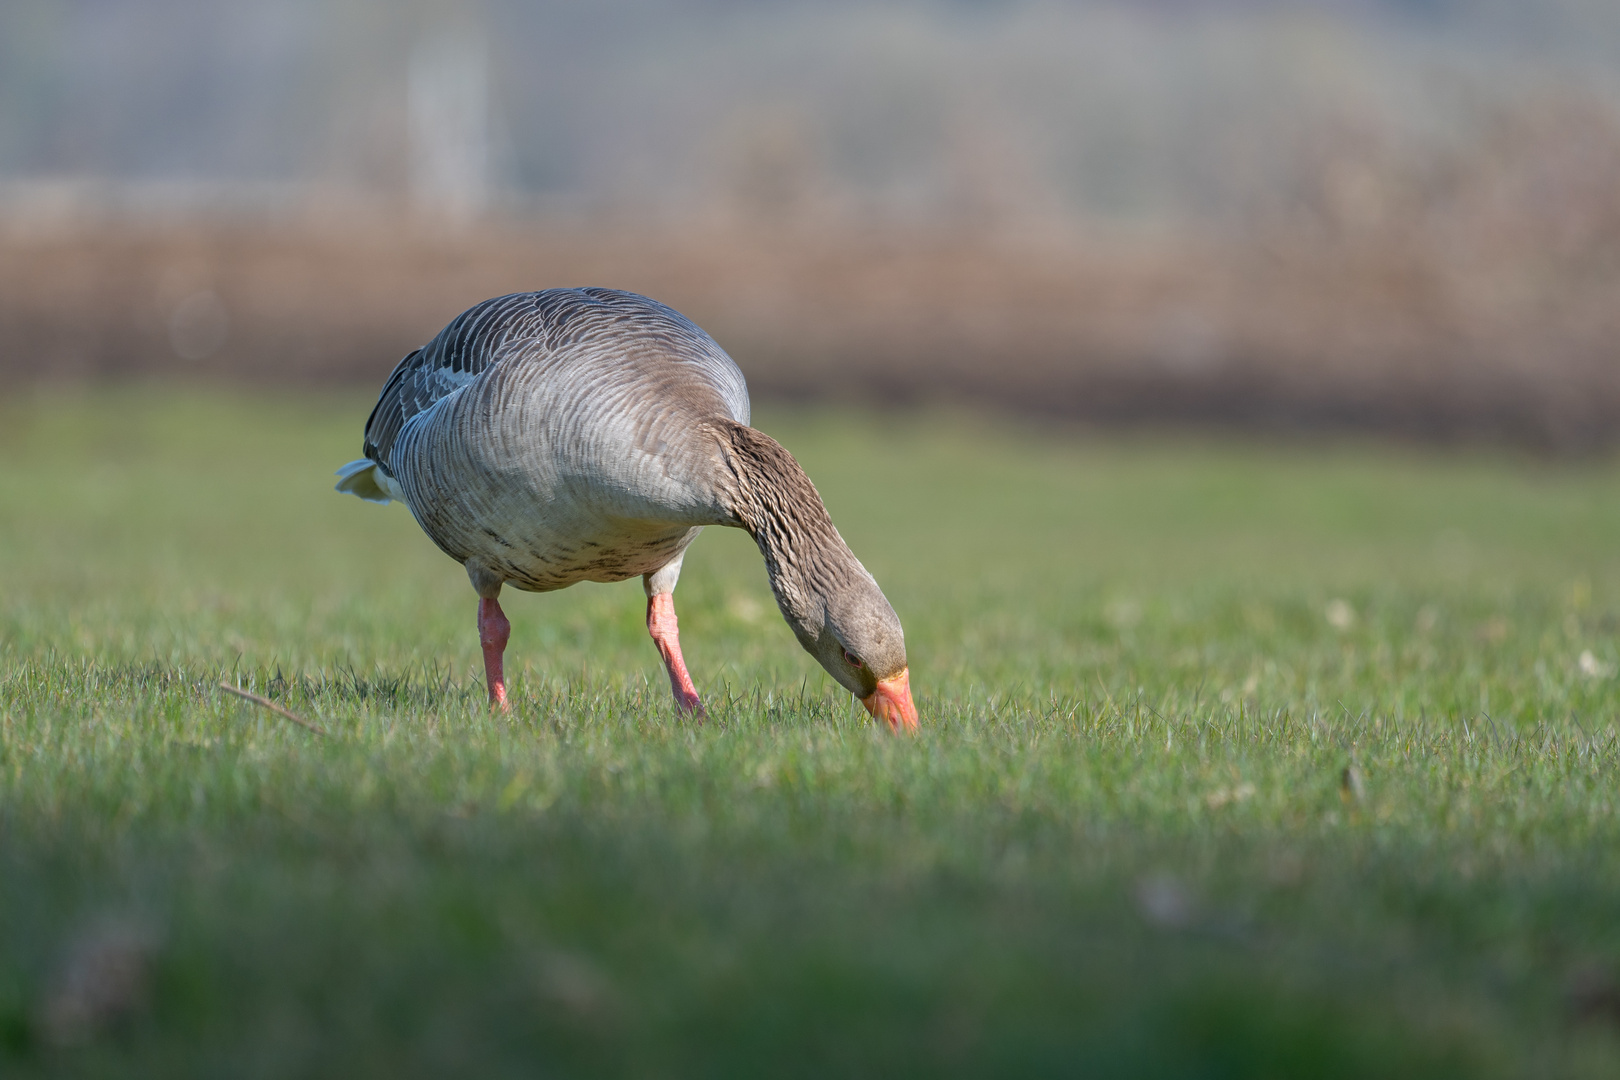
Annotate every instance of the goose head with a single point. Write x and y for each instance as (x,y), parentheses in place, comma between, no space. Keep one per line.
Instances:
(862,646)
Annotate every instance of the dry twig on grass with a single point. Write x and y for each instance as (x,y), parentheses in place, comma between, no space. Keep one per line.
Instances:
(273,707)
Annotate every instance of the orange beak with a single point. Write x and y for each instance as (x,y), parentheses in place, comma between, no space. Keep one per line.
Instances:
(891,702)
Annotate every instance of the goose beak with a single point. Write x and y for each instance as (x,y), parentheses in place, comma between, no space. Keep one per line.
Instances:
(891,702)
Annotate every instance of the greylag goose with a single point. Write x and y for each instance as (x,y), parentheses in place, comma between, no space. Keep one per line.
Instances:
(547,438)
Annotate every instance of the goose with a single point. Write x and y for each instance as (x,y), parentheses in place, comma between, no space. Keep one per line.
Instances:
(589,434)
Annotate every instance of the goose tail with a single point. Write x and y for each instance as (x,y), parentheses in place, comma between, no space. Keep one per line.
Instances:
(364,479)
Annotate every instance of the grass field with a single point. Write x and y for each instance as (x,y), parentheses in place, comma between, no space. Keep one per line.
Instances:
(1236,761)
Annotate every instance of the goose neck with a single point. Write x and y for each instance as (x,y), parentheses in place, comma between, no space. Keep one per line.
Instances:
(775,501)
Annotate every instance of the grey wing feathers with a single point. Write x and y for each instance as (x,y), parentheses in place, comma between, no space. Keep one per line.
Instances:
(469,345)
(555,323)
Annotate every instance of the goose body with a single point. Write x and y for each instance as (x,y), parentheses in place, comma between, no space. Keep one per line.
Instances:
(542,439)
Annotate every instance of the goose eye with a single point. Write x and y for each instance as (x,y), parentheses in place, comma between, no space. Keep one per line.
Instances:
(854,660)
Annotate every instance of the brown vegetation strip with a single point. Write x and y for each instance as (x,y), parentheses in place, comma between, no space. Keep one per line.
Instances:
(1489,309)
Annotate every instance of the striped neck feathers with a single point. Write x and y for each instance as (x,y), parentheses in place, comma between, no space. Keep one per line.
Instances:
(833,605)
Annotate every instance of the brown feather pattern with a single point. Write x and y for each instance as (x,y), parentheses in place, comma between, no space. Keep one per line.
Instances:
(829,599)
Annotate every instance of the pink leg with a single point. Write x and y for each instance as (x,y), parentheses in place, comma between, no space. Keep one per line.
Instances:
(493,632)
(661,625)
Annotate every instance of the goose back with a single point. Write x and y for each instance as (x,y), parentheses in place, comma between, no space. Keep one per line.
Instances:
(551,437)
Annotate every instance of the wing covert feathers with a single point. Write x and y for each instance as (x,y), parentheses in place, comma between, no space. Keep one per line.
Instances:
(540,326)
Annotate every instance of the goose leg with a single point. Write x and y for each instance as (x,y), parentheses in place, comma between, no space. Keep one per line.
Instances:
(662,626)
(493,632)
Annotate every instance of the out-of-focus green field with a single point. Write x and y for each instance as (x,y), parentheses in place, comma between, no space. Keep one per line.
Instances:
(1236,761)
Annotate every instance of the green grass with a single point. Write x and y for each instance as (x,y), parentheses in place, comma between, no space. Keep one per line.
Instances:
(1125,843)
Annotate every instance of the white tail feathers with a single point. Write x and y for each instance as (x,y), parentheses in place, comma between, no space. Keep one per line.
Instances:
(370,483)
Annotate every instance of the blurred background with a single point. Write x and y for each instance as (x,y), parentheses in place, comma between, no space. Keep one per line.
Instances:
(1327,215)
